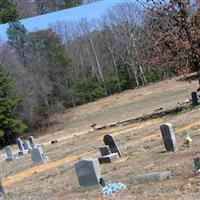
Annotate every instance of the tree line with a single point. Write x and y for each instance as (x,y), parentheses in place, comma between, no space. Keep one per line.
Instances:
(73,63)
(19,9)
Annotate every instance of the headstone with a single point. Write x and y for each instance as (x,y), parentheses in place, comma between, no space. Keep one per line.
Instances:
(155,176)
(1,158)
(197,164)
(38,157)
(2,191)
(9,153)
(27,145)
(88,172)
(104,150)
(168,136)
(109,140)
(32,142)
(194,99)
(108,158)
(22,151)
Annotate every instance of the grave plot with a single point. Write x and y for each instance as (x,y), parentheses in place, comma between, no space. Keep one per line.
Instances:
(110,151)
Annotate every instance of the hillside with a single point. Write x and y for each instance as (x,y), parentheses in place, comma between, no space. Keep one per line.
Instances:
(140,144)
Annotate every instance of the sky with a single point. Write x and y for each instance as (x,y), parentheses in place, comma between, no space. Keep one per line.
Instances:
(89,11)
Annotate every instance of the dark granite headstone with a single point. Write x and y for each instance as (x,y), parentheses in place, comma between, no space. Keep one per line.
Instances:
(108,158)
(104,150)
(168,136)
(109,140)
(194,99)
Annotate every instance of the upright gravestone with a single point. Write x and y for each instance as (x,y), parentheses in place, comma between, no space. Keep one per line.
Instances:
(22,150)
(88,172)
(2,191)
(168,136)
(27,145)
(1,158)
(32,142)
(194,99)
(38,157)
(9,153)
(109,140)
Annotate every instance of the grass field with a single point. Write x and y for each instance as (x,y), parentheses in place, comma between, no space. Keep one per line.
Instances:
(140,144)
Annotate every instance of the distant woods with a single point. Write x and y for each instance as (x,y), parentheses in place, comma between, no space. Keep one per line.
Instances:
(73,63)
(11,10)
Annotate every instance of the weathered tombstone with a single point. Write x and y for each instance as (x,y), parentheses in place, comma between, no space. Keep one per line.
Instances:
(194,99)
(32,142)
(38,157)
(9,153)
(168,136)
(22,151)
(109,140)
(155,176)
(27,145)
(104,150)
(2,191)
(1,158)
(88,172)
(108,158)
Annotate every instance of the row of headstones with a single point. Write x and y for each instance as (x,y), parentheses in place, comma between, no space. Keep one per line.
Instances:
(89,171)
(25,147)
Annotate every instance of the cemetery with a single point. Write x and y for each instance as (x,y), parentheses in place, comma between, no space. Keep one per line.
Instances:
(154,158)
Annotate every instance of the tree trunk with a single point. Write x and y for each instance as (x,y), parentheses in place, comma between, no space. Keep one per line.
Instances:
(116,71)
(143,78)
(92,66)
(136,77)
(97,60)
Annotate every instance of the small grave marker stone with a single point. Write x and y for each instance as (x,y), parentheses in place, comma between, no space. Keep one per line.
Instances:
(9,153)
(108,158)
(22,151)
(109,140)
(104,150)
(155,176)
(38,157)
(27,145)
(194,99)
(88,172)
(2,191)
(32,142)
(168,136)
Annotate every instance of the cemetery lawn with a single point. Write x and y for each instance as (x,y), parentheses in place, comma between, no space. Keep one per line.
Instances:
(140,144)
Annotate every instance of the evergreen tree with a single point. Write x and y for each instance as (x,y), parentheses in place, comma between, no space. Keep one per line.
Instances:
(71,3)
(17,39)
(8,11)
(10,125)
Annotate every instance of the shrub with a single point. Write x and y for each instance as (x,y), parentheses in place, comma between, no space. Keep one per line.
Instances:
(111,83)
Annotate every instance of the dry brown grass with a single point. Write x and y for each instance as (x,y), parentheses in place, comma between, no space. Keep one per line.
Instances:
(140,143)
